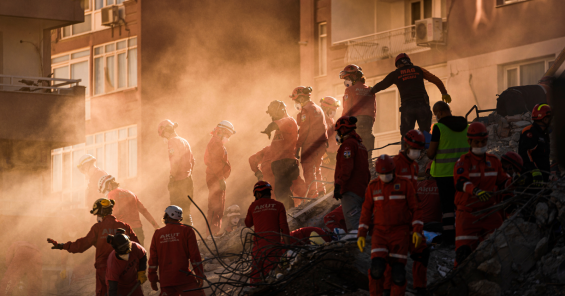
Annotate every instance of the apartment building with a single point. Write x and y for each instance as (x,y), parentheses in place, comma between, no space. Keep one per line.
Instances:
(478,48)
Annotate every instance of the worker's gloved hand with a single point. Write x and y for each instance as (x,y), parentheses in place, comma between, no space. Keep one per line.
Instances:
(537,178)
(417,239)
(63,274)
(259,175)
(222,184)
(297,153)
(361,243)
(199,282)
(141,277)
(482,195)
(446,98)
(56,246)
(154,286)
(337,192)
(270,128)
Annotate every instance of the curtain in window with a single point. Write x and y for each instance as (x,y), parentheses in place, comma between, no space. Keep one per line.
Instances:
(531,73)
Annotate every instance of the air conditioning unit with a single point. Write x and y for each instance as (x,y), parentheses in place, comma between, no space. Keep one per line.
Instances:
(110,15)
(429,31)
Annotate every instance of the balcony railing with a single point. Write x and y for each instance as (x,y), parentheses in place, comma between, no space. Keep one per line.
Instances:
(382,45)
(36,84)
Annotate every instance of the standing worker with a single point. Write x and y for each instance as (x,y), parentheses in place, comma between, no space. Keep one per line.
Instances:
(312,139)
(534,147)
(173,247)
(329,106)
(448,143)
(358,101)
(282,153)
(24,261)
(477,175)
(351,173)
(128,206)
(269,218)
(107,224)
(126,266)
(182,163)
(392,209)
(218,169)
(87,166)
(414,100)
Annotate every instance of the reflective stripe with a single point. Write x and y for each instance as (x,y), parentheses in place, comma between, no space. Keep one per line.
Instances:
(375,198)
(448,227)
(409,177)
(417,222)
(466,237)
(448,215)
(398,197)
(474,174)
(447,160)
(153,266)
(398,256)
(379,250)
(364,226)
(465,185)
(489,174)
(453,150)
(330,221)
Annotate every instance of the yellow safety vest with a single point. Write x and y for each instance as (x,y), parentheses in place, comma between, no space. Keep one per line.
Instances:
(451,146)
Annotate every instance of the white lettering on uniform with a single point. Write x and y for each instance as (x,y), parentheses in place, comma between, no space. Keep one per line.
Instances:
(169,238)
(267,207)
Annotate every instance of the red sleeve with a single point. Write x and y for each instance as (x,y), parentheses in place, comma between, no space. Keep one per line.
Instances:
(346,165)
(194,254)
(82,244)
(366,212)
(502,177)
(417,223)
(282,220)
(153,260)
(249,217)
(255,160)
(461,176)
(304,119)
(112,273)
(435,80)
(346,110)
(141,208)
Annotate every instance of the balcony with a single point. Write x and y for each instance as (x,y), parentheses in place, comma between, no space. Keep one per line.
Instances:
(383,45)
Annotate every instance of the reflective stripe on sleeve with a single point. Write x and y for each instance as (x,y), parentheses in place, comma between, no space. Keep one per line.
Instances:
(380,197)
(463,237)
(363,226)
(448,215)
(409,177)
(417,222)
(398,256)
(398,197)
(448,227)
(154,267)
(330,221)
(465,185)
(379,250)
(491,174)
(474,174)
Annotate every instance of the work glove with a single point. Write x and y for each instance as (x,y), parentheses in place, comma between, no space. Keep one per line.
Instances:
(154,286)
(63,274)
(199,282)
(56,246)
(297,153)
(259,175)
(337,192)
(141,277)
(416,239)
(223,184)
(361,243)
(270,128)
(537,177)
(482,195)
(446,98)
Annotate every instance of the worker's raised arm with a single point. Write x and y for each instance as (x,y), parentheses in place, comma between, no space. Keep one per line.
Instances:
(435,80)
(384,84)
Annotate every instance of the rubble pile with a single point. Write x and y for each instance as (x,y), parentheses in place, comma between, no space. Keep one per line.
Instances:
(504,132)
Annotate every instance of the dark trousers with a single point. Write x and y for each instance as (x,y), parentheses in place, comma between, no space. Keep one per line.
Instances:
(178,192)
(285,171)
(446,190)
(365,131)
(415,111)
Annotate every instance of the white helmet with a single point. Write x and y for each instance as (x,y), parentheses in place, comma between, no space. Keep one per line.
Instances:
(233,210)
(174,212)
(85,159)
(227,125)
(103,183)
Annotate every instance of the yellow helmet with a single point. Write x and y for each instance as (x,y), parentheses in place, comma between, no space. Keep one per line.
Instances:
(101,204)
(316,238)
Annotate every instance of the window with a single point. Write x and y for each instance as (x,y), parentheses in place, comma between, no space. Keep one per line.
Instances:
(115,66)
(526,73)
(420,9)
(388,117)
(115,152)
(92,17)
(74,65)
(322,49)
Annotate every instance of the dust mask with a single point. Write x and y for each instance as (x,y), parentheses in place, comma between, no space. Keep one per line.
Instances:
(414,154)
(225,140)
(297,106)
(124,257)
(479,151)
(338,138)
(99,218)
(347,83)
(386,177)
(331,114)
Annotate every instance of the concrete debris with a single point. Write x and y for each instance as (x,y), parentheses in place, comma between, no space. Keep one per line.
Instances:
(491,267)
(228,244)
(542,213)
(541,248)
(484,288)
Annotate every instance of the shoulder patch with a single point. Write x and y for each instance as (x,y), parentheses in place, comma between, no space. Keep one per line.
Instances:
(345,97)
(347,153)
(488,164)
(303,117)
(397,186)
(460,170)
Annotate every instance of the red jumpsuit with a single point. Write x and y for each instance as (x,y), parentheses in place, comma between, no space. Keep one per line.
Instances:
(484,172)
(329,159)
(217,168)
(430,203)
(23,260)
(97,237)
(125,272)
(312,140)
(335,219)
(172,247)
(269,218)
(92,193)
(358,100)
(127,209)
(301,236)
(352,170)
(393,210)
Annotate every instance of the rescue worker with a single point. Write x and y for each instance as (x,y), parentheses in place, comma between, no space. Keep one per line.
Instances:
(269,218)
(512,164)
(477,175)
(428,197)
(391,207)
(351,173)
(358,101)
(414,100)
(312,139)
(173,247)
(218,169)
(329,106)
(282,153)
(448,143)
(128,206)
(87,166)
(23,261)
(335,219)
(181,160)
(107,224)
(534,146)
(233,214)
(126,266)
(302,236)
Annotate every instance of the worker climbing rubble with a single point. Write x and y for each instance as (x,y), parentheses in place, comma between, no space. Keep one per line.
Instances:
(351,173)
(181,160)
(335,221)
(128,206)
(268,216)
(218,169)
(107,224)
(24,263)
(234,221)
(87,166)
(173,248)
(309,235)
(477,175)
(534,146)
(391,207)
(312,139)
(126,266)
(329,106)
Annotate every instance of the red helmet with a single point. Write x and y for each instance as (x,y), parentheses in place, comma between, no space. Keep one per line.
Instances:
(346,121)
(300,91)
(514,159)
(349,70)
(400,57)
(165,123)
(477,130)
(415,139)
(541,111)
(384,164)
(261,186)
(330,102)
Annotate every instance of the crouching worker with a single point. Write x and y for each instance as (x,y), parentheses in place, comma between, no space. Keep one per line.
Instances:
(392,208)
(126,266)
(233,217)
(173,247)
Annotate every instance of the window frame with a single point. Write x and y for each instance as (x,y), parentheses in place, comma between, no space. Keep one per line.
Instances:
(422,10)
(70,61)
(322,59)
(94,14)
(516,65)
(115,53)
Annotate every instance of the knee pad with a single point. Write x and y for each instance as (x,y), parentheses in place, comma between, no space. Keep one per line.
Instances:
(423,257)
(398,274)
(462,253)
(378,267)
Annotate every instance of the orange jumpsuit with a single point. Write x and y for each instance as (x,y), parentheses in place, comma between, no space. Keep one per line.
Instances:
(217,167)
